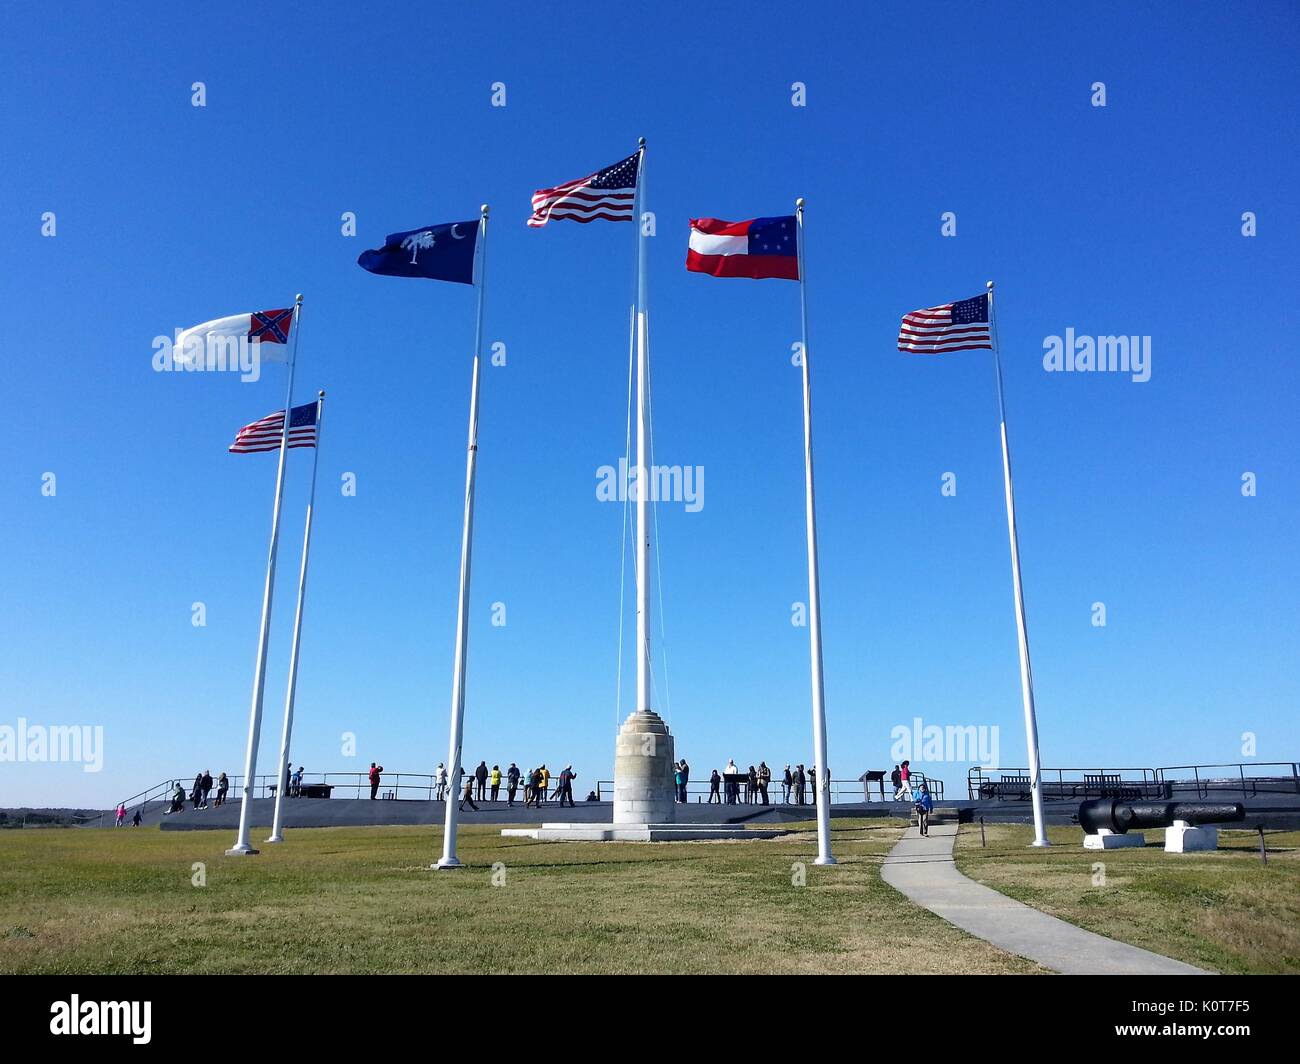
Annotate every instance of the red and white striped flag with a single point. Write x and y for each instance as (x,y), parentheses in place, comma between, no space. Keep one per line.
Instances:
(609,194)
(959,326)
(264,435)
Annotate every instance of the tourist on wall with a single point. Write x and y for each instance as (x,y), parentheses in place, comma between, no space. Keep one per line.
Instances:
(904,791)
(567,776)
(468,798)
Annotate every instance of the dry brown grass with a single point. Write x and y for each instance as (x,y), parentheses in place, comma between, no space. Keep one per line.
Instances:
(1225,911)
(364,900)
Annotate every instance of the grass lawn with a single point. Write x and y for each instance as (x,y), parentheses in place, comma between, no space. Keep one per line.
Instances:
(1224,911)
(364,900)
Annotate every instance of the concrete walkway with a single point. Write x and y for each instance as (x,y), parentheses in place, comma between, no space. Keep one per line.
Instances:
(923,869)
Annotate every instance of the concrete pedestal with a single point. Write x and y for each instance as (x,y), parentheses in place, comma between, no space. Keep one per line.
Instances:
(644,762)
(1105,839)
(645,796)
(1184,838)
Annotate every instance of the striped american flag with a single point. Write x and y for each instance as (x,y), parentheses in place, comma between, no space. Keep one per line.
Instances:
(960,326)
(264,435)
(609,194)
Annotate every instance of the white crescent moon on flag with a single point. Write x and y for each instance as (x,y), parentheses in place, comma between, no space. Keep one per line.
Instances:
(454,234)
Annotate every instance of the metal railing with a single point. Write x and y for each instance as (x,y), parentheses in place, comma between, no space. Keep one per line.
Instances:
(422,786)
(1064,784)
(841,791)
(1076,784)
(1284,781)
(1250,780)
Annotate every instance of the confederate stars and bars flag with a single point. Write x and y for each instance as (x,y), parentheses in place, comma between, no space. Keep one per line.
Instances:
(760,247)
(609,194)
(264,435)
(260,327)
(960,326)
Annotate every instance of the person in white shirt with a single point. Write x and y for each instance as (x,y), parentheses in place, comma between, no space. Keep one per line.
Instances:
(733,788)
(440,777)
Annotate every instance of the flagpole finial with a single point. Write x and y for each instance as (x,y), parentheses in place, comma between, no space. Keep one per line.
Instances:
(483,210)
(320,394)
(298,298)
(640,143)
(799,203)
(988,285)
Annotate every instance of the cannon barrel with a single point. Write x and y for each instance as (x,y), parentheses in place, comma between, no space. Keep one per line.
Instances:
(1117,816)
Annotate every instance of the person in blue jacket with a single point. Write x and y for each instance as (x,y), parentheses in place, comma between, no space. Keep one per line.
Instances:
(924,805)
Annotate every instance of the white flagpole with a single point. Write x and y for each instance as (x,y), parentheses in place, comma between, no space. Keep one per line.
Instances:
(822,784)
(642,467)
(1022,632)
(454,767)
(277,834)
(242,847)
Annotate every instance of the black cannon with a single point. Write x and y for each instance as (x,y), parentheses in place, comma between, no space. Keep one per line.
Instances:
(1114,815)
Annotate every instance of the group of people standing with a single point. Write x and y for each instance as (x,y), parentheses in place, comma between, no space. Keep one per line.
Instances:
(733,786)
(484,784)
(202,787)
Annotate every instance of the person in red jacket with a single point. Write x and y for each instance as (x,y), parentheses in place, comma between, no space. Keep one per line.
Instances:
(375,770)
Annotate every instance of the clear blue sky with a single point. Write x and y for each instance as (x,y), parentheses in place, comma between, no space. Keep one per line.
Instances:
(1117,220)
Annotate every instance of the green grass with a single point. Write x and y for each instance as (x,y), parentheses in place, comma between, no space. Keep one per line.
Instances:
(1224,911)
(364,900)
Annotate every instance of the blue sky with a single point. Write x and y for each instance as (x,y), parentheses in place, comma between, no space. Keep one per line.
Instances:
(1123,219)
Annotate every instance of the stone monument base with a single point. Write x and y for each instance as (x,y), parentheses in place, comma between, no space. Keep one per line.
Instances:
(639,832)
(644,762)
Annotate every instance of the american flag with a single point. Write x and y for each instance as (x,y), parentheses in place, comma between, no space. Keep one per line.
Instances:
(960,326)
(265,435)
(609,194)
